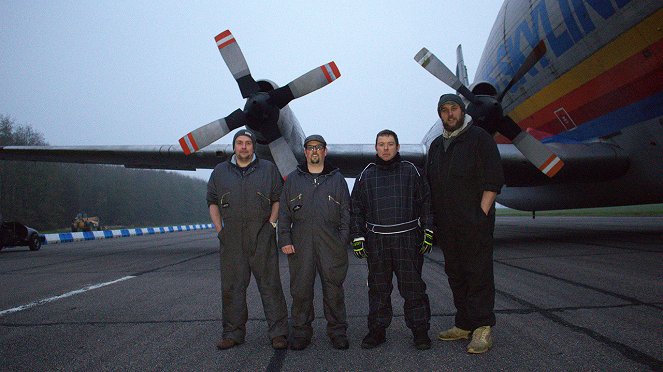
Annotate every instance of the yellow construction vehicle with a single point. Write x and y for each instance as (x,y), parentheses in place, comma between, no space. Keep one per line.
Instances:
(84,223)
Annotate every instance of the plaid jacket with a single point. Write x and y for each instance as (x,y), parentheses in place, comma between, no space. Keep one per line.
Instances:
(388,194)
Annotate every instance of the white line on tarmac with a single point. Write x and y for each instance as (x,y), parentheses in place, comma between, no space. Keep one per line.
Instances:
(65,295)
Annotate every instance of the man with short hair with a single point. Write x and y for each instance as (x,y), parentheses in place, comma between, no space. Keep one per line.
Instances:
(465,174)
(392,227)
(243,198)
(314,233)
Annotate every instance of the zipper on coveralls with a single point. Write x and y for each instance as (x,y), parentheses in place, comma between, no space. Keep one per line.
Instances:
(334,200)
(223,196)
(261,194)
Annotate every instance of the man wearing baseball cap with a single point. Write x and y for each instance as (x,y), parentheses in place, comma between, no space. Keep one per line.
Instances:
(314,224)
(465,175)
(243,198)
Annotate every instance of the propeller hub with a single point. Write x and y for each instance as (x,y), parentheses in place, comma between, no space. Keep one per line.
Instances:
(259,110)
(262,115)
(486,112)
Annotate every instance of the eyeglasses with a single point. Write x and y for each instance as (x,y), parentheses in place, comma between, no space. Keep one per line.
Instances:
(315,147)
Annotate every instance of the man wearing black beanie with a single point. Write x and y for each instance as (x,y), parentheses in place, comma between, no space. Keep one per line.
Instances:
(243,199)
(465,175)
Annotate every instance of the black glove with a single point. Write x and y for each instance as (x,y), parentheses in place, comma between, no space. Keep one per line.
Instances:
(358,248)
(427,244)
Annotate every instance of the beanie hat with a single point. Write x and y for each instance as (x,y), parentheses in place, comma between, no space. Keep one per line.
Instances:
(245,132)
(450,97)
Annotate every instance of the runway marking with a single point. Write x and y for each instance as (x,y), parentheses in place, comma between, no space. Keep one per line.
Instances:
(65,295)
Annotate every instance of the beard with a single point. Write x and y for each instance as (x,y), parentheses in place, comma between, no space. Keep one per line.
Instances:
(449,127)
(244,157)
(315,159)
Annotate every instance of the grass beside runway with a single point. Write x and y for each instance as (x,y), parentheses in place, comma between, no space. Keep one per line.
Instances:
(648,210)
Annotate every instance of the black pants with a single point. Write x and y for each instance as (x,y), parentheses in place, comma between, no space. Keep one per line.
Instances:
(468,257)
(396,254)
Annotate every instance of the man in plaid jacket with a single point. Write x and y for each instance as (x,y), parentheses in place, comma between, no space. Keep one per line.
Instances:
(391,217)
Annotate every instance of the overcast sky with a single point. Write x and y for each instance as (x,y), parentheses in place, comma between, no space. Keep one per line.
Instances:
(146,73)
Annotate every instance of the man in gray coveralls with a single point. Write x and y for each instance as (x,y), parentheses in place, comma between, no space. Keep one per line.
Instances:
(243,199)
(314,232)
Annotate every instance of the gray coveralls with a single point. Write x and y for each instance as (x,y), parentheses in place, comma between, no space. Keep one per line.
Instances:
(314,216)
(248,244)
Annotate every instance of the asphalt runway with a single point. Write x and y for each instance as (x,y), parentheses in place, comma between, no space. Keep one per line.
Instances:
(572,294)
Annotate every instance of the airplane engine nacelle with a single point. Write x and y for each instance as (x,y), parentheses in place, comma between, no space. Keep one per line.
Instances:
(288,126)
(486,112)
(483,88)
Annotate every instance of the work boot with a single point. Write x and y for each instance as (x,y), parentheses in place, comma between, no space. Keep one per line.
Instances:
(454,333)
(482,340)
(226,343)
(340,342)
(374,338)
(421,339)
(299,343)
(279,343)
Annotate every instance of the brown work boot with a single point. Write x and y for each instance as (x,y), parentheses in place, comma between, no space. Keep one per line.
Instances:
(299,343)
(279,343)
(340,342)
(226,343)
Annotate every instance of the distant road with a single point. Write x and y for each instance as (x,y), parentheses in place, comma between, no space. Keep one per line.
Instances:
(572,294)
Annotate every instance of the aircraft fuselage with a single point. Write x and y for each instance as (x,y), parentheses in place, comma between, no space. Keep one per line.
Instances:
(601,80)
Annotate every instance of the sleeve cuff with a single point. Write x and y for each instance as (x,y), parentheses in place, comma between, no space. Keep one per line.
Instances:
(492,187)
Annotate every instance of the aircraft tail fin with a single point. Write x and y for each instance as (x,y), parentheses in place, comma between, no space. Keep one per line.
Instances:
(461,69)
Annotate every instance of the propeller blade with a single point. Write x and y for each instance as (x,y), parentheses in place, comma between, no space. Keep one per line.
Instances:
(283,156)
(432,64)
(236,63)
(211,132)
(532,59)
(305,84)
(535,151)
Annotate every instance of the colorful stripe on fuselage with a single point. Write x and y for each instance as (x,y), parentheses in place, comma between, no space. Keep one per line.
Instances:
(619,85)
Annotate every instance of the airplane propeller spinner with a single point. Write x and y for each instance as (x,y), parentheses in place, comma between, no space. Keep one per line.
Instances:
(262,109)
(486,110)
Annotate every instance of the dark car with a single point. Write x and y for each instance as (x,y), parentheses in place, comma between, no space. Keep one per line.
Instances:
(17,234)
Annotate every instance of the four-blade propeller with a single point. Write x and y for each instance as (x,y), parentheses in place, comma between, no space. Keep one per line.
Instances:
(486,111)
(262,109)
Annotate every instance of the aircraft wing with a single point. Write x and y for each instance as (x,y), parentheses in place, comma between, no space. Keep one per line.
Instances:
(151,157)
(589,162)
(584,162)
(351,159)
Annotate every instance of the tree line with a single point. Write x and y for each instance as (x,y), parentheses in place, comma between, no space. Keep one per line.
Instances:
(48,196)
